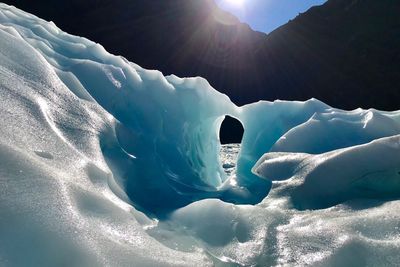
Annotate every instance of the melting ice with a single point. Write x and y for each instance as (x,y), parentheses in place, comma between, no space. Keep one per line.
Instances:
(104,163)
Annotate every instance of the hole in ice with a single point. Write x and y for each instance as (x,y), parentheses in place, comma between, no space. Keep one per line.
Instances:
(231,131)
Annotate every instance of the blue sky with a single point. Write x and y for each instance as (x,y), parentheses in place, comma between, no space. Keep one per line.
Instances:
(266,15)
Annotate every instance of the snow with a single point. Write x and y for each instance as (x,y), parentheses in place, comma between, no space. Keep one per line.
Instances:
(104,163)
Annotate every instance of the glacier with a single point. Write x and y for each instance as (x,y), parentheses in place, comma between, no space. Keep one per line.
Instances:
(104,163)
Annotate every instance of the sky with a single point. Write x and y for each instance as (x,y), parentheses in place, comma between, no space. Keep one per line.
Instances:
(266,15)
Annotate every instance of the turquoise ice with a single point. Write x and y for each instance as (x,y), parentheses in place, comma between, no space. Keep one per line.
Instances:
(104,163)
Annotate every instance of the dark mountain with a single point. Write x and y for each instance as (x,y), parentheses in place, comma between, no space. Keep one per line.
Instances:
(345,52)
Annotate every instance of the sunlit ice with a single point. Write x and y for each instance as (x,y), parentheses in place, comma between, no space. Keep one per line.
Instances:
(110,164)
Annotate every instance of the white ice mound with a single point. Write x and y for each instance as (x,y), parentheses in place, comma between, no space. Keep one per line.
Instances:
(87,139)
(318,181)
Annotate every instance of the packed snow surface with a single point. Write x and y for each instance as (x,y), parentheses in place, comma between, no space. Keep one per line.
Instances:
(104,163)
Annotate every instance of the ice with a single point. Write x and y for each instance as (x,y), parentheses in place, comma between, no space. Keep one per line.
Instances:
(104,163)
(165,136)
(319,181)
(228,155)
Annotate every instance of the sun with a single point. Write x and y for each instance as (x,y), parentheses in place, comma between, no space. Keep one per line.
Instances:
(236,3)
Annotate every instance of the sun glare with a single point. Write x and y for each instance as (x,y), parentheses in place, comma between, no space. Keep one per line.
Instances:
(237,3)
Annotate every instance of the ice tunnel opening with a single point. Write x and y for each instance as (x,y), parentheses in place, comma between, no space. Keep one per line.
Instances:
(231,131)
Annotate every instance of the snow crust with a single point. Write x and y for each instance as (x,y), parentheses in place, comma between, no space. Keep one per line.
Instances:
(104,163)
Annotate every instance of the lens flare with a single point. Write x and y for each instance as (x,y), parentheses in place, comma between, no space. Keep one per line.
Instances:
(237,3)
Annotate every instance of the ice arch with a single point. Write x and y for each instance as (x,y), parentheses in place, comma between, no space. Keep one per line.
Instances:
(160,139)
(163,149)
(163,145)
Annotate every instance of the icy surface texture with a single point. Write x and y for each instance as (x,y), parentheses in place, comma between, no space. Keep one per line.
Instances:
(103,163)
(228,155)
(164,141)
(318,181)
